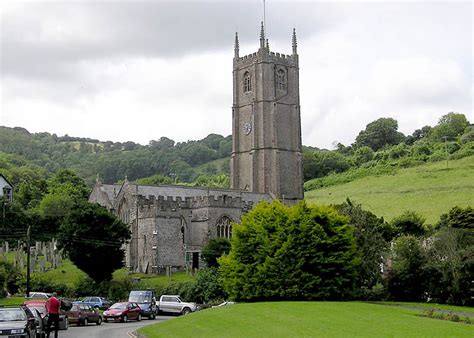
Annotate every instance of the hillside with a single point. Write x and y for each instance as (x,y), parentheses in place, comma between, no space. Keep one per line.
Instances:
(428,189)
(114,160)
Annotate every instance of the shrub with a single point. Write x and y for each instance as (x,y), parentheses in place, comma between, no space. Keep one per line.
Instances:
(300,252)
(409,223)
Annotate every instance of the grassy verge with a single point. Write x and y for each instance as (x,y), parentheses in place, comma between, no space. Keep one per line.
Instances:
(307,319)
(433,306)
(144,281)
(12,301)
(429,189)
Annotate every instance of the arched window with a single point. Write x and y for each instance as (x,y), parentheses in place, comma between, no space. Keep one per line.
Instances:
(281,79)
(247,82)
(224,227)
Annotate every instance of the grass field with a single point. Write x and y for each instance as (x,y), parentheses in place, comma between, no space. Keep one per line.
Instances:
(307,319)
(429,189)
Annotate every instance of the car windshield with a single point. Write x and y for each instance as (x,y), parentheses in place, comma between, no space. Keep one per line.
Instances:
(139,298)
(8,315)
(119,306)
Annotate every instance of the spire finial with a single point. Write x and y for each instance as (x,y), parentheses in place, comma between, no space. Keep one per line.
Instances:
(293,40)
(262,36)
(268,46)
(236,45)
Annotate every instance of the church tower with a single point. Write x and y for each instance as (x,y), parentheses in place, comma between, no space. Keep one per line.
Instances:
(266,123)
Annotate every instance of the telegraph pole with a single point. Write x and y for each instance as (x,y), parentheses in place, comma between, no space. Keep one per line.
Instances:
(28,238)
(446,150)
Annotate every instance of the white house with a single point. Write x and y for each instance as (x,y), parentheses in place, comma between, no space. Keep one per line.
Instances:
(6,188)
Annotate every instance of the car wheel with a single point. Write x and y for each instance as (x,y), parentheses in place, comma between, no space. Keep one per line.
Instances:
(66,323)
(139,318)
(186,310)
(125,319)
(85,322)
(152,316)
(99,321)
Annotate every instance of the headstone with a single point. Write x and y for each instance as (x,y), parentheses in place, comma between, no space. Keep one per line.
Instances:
(42,265)
(6,247)
(21,263)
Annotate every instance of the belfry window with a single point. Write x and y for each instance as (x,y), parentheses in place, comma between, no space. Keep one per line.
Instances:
(281,79)
(247,82)
(224,227)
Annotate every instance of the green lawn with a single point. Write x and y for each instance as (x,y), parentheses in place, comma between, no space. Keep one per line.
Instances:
(307,319)
(152,281)
(12,301)
(429,189)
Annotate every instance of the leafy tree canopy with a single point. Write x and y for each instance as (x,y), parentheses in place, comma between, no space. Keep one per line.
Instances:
(406,278)
(450,126)
(380,133)
(372,237)
(215,249)
(409,223)
(92,238)
(300,252)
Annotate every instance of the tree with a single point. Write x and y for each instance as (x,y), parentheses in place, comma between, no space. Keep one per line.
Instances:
(372,235)
(9,277)
(363,154)
(406,278)
(300,252)
(450,126)
(409,223)
(13,221)
(208,286)
(450,267)
(215,249)
(323,162)
(380,133)
(155,180)
(93,238)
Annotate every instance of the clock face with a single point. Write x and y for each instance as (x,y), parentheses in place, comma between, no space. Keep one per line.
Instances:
(247,128)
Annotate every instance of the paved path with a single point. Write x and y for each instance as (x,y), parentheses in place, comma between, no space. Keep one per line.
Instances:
(108,330)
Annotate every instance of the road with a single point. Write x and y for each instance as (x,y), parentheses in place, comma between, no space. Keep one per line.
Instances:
(108,330)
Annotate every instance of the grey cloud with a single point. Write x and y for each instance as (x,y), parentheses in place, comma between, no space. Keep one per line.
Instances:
(124,29)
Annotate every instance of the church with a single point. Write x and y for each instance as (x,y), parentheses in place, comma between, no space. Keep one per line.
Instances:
(170,224)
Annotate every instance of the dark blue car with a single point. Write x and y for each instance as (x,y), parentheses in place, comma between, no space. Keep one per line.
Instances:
(97,302)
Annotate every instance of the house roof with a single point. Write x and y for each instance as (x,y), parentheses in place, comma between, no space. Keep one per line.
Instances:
(1,175)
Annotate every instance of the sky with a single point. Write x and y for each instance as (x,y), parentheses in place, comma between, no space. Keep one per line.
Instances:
(137,71)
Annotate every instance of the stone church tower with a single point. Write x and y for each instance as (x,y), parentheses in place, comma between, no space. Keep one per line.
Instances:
(266,124)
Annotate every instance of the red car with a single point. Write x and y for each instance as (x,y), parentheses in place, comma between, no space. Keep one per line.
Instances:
(123,312)
(83,314)
(40,305)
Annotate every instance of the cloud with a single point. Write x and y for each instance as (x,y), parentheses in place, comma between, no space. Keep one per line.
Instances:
(141,70)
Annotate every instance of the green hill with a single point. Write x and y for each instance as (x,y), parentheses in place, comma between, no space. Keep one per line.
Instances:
(430,189)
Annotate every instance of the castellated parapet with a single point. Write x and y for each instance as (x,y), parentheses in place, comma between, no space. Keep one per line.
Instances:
(152,204)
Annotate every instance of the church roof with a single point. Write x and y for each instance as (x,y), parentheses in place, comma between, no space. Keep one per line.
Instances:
(111,190)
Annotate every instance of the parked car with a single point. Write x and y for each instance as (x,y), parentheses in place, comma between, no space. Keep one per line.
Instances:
(146,301)
(40,305)
(41,295)
(123,312)
(83,314)
(174,304)
(40,325)
(14,322)
(97,302)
